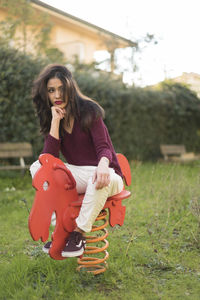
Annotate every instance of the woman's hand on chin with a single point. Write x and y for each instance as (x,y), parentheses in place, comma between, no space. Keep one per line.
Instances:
(57,113)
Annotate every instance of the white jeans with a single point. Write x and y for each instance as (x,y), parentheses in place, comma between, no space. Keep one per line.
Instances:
(94,200)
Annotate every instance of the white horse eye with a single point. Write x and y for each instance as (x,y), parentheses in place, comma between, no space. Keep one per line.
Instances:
(45,185)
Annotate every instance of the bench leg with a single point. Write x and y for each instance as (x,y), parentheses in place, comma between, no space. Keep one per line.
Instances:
(22,164)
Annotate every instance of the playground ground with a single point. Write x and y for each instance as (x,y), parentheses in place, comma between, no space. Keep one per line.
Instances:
(155,255)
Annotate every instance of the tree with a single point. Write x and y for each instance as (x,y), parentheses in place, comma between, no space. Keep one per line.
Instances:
(22,24)
(123,61)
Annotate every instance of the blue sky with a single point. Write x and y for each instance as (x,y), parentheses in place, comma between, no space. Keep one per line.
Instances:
(175,24)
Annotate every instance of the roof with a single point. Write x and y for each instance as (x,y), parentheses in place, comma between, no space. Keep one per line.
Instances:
(90,26)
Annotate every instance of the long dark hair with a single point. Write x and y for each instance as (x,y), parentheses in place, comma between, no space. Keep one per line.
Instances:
(78,105)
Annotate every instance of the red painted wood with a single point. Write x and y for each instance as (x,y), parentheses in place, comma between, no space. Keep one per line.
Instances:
(56,192)
(61,190)
(125,167)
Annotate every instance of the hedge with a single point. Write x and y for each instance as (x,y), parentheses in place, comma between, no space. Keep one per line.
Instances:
(138,119)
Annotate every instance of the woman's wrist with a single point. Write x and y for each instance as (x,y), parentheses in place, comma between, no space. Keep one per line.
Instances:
(54,130)
(55,120)
(104,160)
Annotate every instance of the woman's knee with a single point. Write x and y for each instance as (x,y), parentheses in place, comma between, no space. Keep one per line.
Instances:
(116,184)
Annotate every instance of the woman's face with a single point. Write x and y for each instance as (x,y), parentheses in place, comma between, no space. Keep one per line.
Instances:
(55,92)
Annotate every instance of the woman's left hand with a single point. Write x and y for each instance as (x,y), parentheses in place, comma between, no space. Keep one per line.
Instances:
(102,174)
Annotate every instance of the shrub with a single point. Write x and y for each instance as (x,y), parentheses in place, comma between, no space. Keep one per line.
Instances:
(138,119)
(18,122)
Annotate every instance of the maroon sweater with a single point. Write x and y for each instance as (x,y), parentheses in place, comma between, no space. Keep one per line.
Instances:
(84,148)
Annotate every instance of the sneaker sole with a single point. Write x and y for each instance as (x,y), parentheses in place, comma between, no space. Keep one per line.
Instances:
(45,250)
(72,254)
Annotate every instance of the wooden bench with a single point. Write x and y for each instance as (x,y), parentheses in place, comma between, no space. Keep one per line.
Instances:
(177,153)
(15,150)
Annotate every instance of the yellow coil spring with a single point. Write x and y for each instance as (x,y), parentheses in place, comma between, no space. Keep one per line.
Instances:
(96,265)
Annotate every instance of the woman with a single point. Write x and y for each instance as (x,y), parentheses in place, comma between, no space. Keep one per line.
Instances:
(73,124)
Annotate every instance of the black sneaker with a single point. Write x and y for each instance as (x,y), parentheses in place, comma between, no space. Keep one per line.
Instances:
(47,247)
(75,245)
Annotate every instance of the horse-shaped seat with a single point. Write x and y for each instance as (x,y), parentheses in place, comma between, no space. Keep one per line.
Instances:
(56,192)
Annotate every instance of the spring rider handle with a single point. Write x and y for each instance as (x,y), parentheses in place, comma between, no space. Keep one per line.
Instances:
(72,183)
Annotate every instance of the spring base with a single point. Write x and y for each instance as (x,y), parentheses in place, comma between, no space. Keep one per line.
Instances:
(96,265)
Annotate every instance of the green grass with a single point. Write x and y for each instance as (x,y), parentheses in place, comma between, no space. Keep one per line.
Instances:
(155,255)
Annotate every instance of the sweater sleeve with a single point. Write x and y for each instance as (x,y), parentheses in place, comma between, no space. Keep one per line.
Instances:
(51,146)
(100,139)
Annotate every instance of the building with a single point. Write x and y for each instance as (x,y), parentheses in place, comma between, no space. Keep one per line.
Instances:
(76,37)
(191,79)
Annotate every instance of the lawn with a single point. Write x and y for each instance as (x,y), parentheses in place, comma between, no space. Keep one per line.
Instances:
(154,255)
